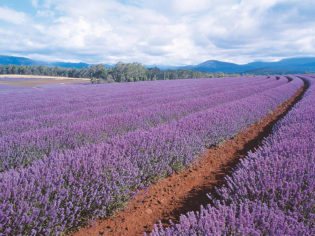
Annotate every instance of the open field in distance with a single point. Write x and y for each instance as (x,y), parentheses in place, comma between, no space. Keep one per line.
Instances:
(38,80)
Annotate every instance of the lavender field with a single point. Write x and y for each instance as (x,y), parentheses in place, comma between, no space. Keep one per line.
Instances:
(77,152)
(271,192)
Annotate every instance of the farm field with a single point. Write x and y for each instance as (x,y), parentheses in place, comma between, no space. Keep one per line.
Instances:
(271,191)
(12,82)
(79,152)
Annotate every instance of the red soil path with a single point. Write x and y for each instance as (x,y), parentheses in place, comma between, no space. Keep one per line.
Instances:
(183,192)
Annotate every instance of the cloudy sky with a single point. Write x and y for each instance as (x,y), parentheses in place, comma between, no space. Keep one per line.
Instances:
(165,32)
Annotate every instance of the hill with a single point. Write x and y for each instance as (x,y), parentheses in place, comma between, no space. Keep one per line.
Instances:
(11,60)
(289,65)
(284,66)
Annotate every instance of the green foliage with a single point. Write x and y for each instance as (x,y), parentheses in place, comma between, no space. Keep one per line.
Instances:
(128,72)
(97,81)
(121,72)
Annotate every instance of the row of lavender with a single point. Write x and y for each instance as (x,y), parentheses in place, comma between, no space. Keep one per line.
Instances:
(55,115)
(70,107)
(21,149)
(271,192)
(28,103)
(69,187)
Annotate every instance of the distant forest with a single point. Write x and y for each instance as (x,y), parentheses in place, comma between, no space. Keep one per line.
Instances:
(121,72)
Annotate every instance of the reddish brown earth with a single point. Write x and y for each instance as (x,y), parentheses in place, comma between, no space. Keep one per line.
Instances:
(183,192)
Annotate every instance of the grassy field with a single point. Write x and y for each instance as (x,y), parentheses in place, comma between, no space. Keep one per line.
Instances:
(41,77)
(35,80)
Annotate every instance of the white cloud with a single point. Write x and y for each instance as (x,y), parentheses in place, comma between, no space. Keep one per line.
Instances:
(34,3)
(190,6)
(162,32)
(12,16)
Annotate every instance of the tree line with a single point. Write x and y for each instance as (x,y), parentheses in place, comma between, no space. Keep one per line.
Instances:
(121,72)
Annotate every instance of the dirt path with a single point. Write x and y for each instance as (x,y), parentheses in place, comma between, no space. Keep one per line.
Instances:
(183,192)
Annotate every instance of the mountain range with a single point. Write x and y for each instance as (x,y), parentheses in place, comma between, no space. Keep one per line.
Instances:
(11,60)
(287,66)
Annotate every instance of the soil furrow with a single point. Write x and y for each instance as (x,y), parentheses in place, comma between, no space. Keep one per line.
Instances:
(184,192)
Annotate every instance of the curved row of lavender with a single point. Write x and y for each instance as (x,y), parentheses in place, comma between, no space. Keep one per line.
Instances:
(271,192)
(26,104)
(71,186)
(18,121)
(22,148)
(79,103)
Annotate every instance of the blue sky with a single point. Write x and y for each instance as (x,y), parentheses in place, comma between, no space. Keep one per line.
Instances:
(173,32)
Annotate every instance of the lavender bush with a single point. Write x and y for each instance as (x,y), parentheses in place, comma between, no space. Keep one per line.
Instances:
(22,148)
(271,191)
(70,186)
(246,218)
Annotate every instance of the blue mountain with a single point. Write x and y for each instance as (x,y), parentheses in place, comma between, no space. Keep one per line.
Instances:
(289,65)
(10,60)
(284,66)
